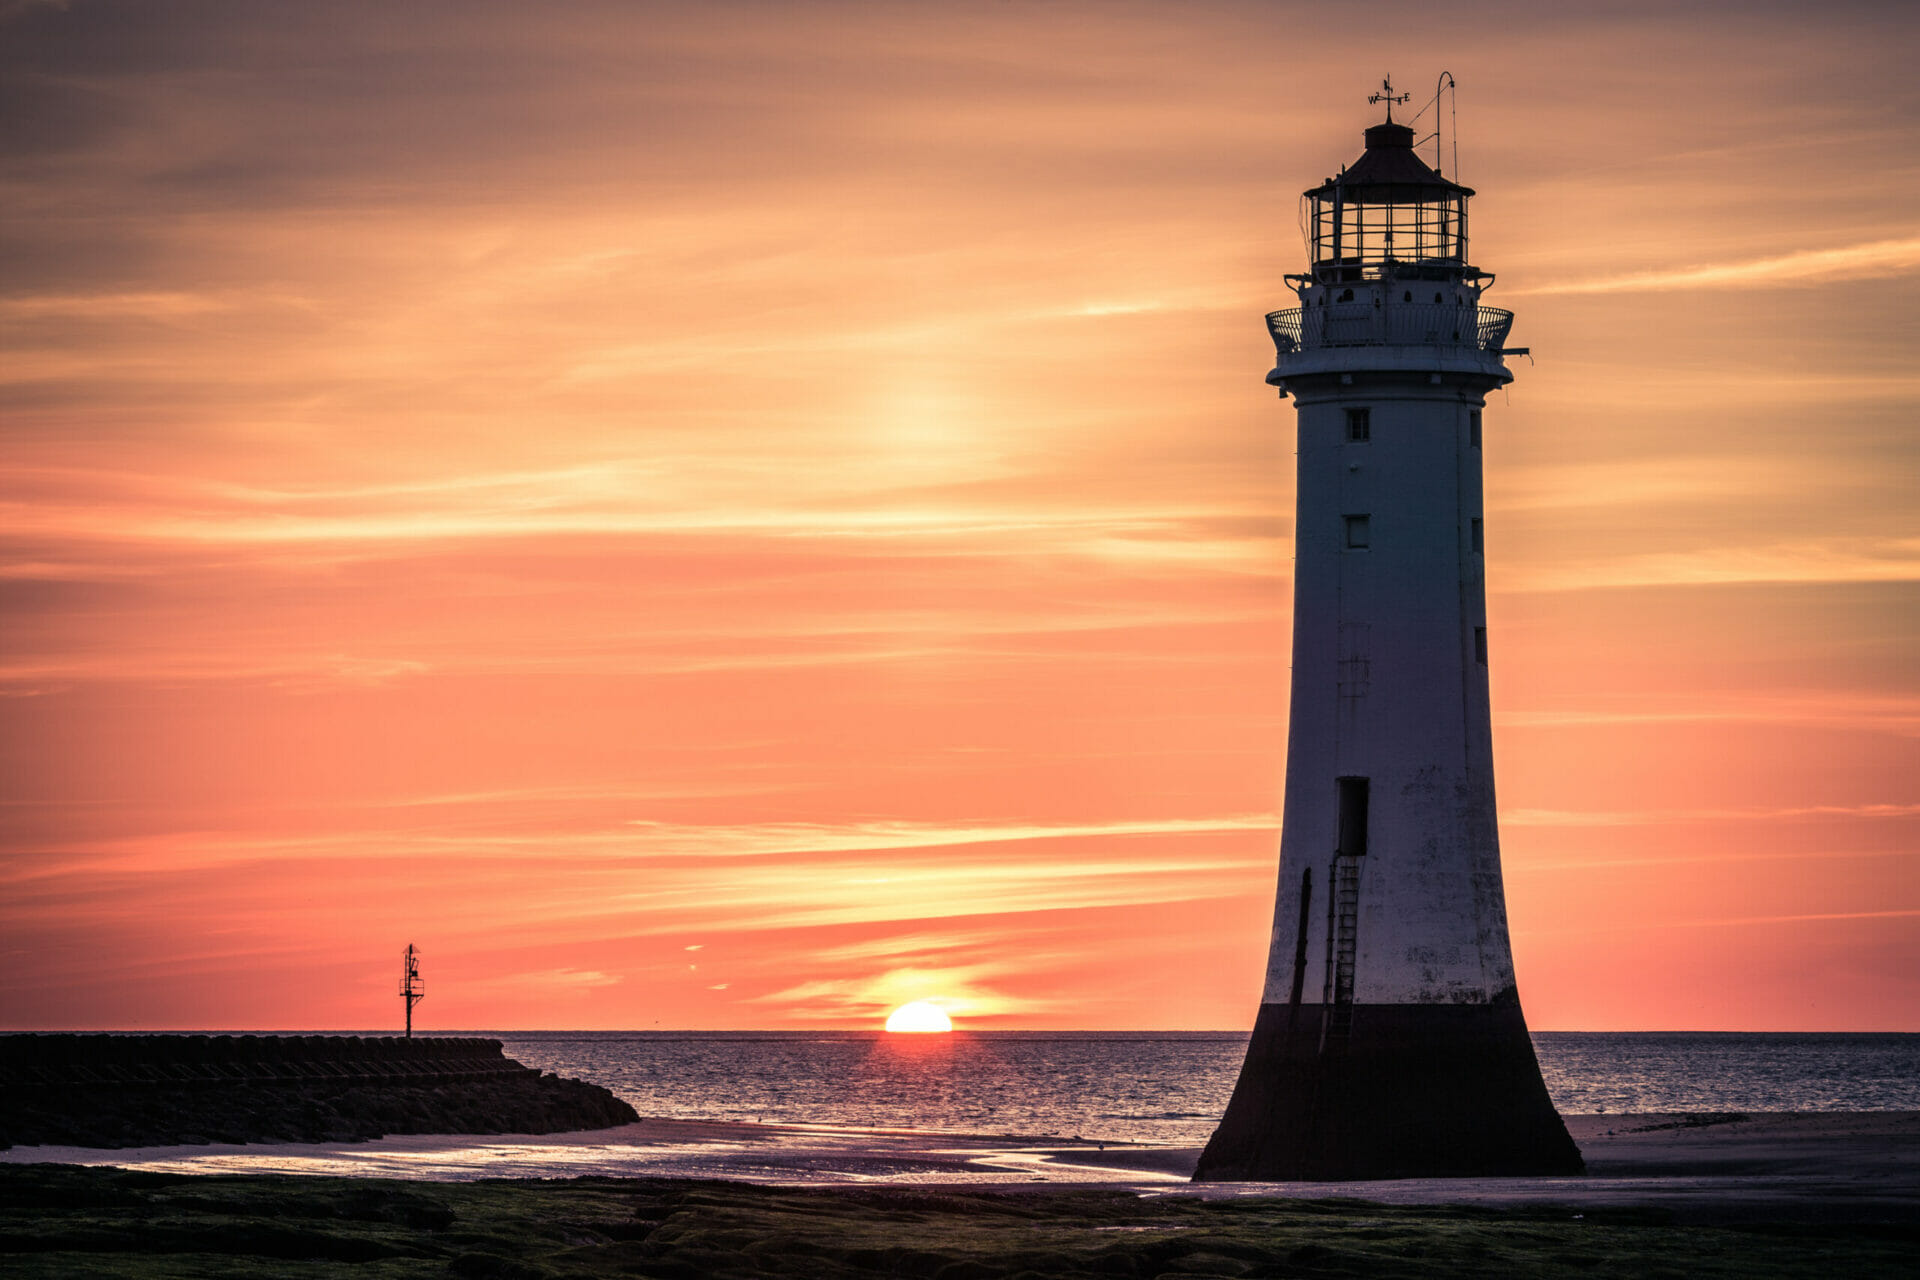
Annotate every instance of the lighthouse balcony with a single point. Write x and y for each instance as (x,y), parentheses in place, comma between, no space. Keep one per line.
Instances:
(1455,325)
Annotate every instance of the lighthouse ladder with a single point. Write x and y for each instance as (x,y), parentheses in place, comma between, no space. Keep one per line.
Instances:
(1346,916)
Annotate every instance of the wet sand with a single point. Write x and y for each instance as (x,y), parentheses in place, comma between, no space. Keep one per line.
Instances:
(1800,1167)
(1809,1167)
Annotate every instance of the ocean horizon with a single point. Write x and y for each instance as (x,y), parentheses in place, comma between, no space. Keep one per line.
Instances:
(1155,1086)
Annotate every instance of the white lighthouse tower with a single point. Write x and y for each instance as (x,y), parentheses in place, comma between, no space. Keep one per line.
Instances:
(1390,1041)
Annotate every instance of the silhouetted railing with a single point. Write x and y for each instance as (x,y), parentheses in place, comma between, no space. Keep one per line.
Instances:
(1394,325)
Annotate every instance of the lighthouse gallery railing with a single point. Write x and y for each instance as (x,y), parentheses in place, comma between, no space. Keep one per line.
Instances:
(1394,325)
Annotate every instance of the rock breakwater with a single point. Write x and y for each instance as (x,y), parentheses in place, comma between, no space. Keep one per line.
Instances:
(154,1090)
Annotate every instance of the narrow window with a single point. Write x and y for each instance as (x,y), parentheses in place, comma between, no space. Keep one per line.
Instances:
(1359,425)
(1359,536)
(1479,536)
(1353,817)
(1473,428)
(1480,645)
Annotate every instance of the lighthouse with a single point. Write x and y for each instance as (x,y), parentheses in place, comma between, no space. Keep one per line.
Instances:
(1390,1040)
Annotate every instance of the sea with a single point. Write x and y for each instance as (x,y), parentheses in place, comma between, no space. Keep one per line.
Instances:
(1168,1087)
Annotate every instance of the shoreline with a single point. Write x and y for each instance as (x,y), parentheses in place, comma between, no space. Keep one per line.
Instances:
(1715,1168)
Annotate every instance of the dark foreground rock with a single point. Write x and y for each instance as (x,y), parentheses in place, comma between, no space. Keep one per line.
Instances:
(65,1221)
(135,1091)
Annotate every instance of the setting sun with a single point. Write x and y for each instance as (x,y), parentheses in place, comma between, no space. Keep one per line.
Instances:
(919,1016)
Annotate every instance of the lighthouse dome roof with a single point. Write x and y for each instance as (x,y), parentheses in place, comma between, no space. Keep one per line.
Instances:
(1390,172)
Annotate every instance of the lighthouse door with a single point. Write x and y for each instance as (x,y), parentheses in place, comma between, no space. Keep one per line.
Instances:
(1353,818)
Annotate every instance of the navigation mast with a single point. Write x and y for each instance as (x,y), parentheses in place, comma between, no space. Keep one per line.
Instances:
(412,988)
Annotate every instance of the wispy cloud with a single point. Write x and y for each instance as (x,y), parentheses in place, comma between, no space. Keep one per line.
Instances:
(1663,817)
(635,841)
(1874,259)
(963,991)
(150,306)
(773,839)
(1869,558)
(1662,479)
(1887,714)
(666,881)
(1906,913)
(548,982)
(1731,922)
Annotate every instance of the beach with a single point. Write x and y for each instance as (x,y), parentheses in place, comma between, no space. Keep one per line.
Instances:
(1693,1194)
(1831,1167)
(1812,1195)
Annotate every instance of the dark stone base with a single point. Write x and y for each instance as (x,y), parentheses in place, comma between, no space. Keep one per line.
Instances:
(1416,1091)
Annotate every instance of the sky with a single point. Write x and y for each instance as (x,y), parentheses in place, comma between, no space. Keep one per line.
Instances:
(746,515)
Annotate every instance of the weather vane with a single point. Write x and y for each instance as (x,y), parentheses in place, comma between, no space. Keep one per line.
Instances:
(1386,95)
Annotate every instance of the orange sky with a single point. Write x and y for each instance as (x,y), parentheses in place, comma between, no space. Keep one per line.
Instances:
(743,516)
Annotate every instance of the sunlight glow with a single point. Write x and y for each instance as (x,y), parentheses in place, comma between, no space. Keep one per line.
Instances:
(919,1017)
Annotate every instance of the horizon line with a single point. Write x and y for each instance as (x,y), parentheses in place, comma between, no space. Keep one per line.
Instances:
(873,1030)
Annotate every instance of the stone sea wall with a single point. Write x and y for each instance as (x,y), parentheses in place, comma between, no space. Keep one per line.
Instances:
(126,1091)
